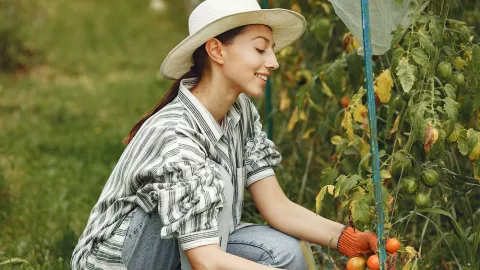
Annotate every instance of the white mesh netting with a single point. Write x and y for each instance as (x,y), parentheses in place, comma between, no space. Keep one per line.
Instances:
(385,16)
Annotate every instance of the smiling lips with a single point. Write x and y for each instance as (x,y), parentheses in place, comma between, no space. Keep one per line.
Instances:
(263,77)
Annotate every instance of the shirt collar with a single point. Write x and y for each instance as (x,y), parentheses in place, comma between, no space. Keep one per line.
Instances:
(201,115)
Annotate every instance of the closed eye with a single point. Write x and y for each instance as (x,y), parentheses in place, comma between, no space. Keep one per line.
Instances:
(260,51)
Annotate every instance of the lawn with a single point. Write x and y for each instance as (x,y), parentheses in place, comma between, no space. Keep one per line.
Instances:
(64,119)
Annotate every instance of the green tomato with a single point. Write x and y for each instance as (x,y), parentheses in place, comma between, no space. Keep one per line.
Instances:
(410,185)
(398,165)
(422,200)
(444,71)
(459,79)
(429,178)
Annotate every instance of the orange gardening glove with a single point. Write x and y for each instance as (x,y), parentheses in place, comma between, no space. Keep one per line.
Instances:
(353,242)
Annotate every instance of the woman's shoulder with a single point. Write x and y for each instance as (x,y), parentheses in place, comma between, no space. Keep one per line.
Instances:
(172,116)
(246,105)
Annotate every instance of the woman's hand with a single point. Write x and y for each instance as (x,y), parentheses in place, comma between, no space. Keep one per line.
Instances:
(353,242)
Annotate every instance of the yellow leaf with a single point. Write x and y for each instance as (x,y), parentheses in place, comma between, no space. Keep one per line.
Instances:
(395,125)
(456,133)
(350,44)
(326,90)
(460,63)
(347,123)
(307,134)
(303,116)
(335,140)
(431,136)
(365,148)
(475,153)
(412,253)
(365,151)
(384,174)
(383,86)
(325,7)
(284,100)
(321,195)
(293,119)
(360,113)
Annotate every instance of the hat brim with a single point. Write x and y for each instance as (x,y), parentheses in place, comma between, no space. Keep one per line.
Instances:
(287,26)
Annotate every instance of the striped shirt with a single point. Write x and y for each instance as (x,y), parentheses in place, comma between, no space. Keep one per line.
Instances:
(172,166)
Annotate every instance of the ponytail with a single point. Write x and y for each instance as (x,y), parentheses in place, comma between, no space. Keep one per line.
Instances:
(167,98)
(200,60)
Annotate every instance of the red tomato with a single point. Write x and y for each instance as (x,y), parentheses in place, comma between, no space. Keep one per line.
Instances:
(356,263)
(373,262)
(345,101)
(392,245)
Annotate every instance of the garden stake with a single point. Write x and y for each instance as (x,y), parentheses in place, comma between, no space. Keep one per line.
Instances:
(372,120)
(268,96)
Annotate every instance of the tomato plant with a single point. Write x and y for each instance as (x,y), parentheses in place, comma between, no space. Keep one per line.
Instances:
(427,89)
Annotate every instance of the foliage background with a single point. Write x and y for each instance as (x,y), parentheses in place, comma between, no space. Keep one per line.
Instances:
(76,75)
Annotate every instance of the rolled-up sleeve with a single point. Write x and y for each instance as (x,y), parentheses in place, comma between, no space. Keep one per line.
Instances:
(260,151)
(187,190)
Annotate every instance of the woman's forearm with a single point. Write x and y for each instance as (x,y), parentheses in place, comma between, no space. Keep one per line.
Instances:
(212,257)
(304,224)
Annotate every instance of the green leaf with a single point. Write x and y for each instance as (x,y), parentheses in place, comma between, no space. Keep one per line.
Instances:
(406,74)
(300,98)
(328,175)
(463,142)
(449,51)
(345,183)
(438,148)
(13,261)
(450,91)
(420,57)
(321,196)
(396,57)
(333,75)
(460,232)
(361,211)
(397,36)
(417,119)
(385,196)
(450,107)
(426,41)
(476,174)
(435,30)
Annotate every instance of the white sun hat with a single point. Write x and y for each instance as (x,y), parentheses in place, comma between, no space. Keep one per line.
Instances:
(213,17)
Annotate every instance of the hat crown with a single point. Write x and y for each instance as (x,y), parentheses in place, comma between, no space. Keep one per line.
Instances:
(211,10)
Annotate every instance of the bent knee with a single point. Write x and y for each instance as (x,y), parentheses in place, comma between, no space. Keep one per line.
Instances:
(291,255)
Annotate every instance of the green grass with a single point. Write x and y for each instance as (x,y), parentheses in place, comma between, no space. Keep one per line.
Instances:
(63,121)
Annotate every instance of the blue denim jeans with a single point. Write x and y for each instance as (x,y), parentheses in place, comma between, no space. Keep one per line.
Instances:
(144,249)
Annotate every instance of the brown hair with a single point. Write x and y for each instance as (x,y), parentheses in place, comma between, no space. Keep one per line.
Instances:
(200,64)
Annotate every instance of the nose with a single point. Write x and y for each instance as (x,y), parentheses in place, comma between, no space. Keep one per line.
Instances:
(271,62)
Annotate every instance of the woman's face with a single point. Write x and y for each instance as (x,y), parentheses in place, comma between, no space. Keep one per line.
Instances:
(249,59)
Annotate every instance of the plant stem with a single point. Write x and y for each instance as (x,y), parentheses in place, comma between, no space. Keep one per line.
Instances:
(455,159)
(305,174)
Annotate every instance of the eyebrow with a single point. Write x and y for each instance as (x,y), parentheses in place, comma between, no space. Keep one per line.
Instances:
(266,39)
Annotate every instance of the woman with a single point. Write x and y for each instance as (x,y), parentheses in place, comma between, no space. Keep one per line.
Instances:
(175,197)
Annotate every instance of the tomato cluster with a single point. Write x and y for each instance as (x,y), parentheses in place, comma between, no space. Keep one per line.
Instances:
(359,263)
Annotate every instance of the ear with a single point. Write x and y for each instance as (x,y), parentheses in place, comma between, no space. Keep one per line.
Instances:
(214,48)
